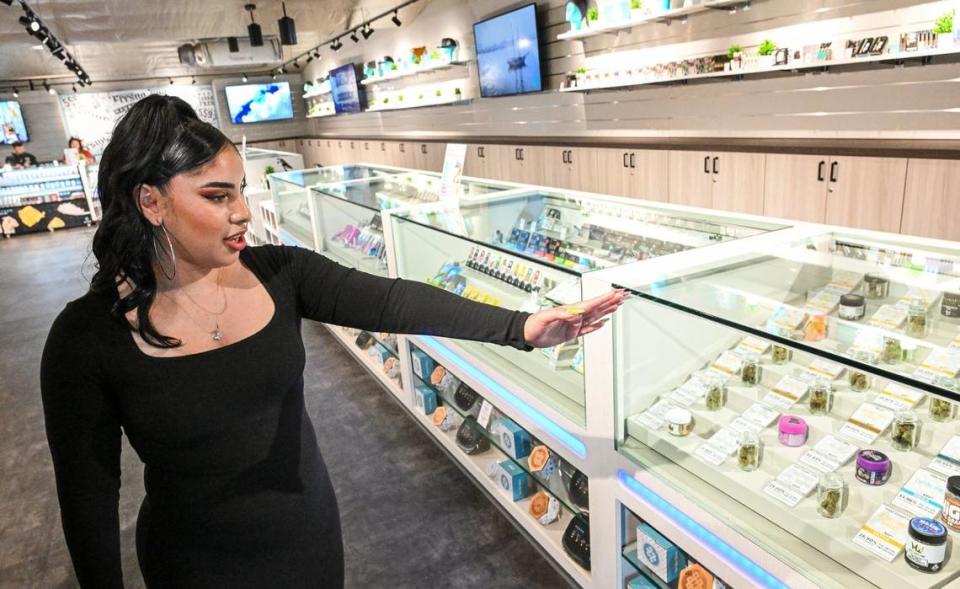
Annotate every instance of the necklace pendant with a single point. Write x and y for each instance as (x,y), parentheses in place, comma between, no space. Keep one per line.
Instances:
(217,335)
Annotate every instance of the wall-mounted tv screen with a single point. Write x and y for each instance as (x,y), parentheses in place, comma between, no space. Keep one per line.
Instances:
(11,123)
(347,93)
(255,103)
(508,53)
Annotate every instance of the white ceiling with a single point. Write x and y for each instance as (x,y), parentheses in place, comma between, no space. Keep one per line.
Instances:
(114,39)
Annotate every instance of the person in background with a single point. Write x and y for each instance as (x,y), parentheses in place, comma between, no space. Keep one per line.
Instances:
(75,142)
(20,158)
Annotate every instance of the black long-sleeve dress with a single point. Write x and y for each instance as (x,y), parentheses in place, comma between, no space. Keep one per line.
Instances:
(237,494)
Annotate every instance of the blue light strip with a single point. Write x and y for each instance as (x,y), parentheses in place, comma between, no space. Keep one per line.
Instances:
(731,555)
(569,440)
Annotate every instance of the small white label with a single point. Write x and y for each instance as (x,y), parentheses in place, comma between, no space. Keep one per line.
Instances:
(889,316)
(947,462)
(923,494)
(483,418)
(829,454)
(867,423)
(898,397)
(844,281)
(791,485)
(656,416)
(760,415)
(788,318)
(740,425)
(753,345)
(710,454)
(823,303)
(728,363)
(823,368)
(942,362)
(782,493)
(786,392)
(726,441)
(925,296)
(884,534)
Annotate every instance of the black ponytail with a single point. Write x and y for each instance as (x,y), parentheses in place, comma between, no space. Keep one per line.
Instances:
(160,137)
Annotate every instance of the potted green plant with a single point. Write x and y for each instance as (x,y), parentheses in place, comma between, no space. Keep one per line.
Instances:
(457,93)
(438,93)
(943,29)
(266,175)
(581,75)
(735,56)
(766,52)
(637,10)
(593,16)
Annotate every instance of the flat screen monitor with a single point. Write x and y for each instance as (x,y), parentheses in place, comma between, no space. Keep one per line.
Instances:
(256,103)
(11,123)
(508,53)
(347,93)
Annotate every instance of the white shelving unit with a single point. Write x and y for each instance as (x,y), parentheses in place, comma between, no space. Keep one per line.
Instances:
(414,72)
(614,28)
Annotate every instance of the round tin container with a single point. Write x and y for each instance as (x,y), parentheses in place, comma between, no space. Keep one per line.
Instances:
(873,467)
(792,431)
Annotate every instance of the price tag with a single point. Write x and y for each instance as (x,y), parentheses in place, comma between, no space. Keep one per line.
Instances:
(726,441)
(752,345)
(787,319)
(947,462)
(483,417)
(889,317)
(786,392)
(740,425)
(868,343)
(829,454)
(727,364)
(710,454)
(898,397)
(792,485)
(822,368)
(689,392)
(923,494)
(844,281)
(655,416)
(823,303)
(923,295)
(884,534)
(867,423)
(760,415)
(942,362)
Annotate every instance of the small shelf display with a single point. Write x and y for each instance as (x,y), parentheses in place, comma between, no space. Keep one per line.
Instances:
(347,219)
(549,492)
(815,383)
(630,69)
(43,198)
(435,94)
(414,61)
(650,560)
(614,16)
(529,251)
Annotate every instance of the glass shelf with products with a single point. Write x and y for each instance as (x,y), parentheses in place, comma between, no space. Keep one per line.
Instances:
(790,380)
(42,184)
(347,217)
(529,251)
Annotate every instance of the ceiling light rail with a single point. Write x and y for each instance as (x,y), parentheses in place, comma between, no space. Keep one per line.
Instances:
(34,27)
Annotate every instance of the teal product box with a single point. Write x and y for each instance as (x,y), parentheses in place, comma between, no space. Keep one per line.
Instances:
(641,582)
(425,398)
(381,354)
(659,554)
(423,365)
(514,480)
(514,440)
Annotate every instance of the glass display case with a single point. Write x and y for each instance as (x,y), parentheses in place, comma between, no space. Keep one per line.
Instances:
(290,192)
(43,198)
(529,250)
(807,395)
(347,218)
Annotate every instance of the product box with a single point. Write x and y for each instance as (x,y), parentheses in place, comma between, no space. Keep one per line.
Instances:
(514,480)
(381,354)
(514,440)
(659,554)
(425,398)
(423,365)
(641,582)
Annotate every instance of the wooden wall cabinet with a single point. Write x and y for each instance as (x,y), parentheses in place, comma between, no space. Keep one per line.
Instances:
(569,168)
(725,180)
(638,173)
(932,198)
(429,156)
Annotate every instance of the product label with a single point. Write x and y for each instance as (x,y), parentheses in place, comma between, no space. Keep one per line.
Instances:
(786,392)
(787,318)
(740,425)
(823,303)
(942,362)
(889,317)
(822,368)
(760,415)
(955,343)
(726,441)
(710,454)
(727,364)
(923,494)
(843,281)
(868,344)
(752,345)
(898,397)
(689,392)
(925,296)
(791,485)
(829,454)
(884,534)
(947,462)
(655,416)
(483,417)
(867,423)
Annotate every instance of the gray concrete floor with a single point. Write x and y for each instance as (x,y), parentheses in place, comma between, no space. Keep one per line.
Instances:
(410,517)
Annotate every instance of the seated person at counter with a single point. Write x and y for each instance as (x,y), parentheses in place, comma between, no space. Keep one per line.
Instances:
(20,158)
(76,143)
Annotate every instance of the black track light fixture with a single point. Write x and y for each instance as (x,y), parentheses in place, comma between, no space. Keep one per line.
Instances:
(194,80)
(253,29)
(353,35)
(273,76)
(15,93)
(171,81)
(233,44)
(74,88)
(288,28)
(7,2)
(30,23)
(46,86)
(245,78)
(316,53)
(296,64)
(336,45)
(367,31)
(396,18)
(32,88)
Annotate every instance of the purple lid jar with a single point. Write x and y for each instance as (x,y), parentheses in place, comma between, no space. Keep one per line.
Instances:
(873,467)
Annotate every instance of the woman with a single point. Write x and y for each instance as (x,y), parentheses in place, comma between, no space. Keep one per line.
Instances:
(83,152)
(191,343)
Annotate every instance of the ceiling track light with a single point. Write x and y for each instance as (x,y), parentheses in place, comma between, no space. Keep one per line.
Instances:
(253,29)
(233,45)
(245,78)
(49,89)
(194,81)
(396,18)
(171,81)
(7,2)
(74,88)
(287,27)
(353,35)
(31,85)
(336,45)
(366,32)
(15,93)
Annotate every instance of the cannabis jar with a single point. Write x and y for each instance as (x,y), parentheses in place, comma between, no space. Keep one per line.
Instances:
(832,495)
(927,549)
(905,433)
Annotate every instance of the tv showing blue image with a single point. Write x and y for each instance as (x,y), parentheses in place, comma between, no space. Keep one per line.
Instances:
(508,53)
(347,94)
(256,103)
(11,123)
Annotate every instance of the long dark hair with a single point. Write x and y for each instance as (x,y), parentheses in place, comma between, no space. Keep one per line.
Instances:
(160,137)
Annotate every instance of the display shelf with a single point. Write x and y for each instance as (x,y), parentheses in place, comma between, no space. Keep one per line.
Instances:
(352,258)
(456,101)
(414,72)
(629,554)
(549,537)
(789,67)
(317,94)
(554,486)
(392,385)
(663,16)
(321,115)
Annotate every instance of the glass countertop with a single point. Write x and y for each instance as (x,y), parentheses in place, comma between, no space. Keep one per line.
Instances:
(580,233)
(314,176)
(399,190)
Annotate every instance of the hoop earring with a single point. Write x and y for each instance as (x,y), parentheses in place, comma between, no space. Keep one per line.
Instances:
(173,254)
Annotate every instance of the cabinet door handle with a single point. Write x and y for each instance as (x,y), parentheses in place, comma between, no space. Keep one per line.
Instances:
(706,165)
(516,153)
(483,152)
(423,148)
(821,168)
(625,164)
(563,156)
(521,154)
(633,160)
(570,156)
(715,160)
(834,166)
(383,147)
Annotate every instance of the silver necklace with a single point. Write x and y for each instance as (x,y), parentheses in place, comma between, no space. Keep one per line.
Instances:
(217,334)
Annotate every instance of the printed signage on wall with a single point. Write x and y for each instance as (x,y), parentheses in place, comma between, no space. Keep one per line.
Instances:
(92,116)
